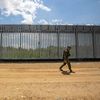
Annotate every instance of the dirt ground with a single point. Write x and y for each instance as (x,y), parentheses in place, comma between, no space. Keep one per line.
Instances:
(44,81)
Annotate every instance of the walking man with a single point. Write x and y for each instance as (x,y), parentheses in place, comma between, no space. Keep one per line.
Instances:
(66,54)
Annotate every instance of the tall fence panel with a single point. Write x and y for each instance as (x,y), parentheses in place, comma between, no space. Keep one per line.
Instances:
(85,45)
(49,41)
(97,45)
(48,45)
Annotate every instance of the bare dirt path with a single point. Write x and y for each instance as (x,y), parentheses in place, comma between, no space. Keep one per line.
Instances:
(44,81)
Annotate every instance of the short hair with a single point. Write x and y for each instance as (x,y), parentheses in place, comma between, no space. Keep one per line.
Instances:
(69,47)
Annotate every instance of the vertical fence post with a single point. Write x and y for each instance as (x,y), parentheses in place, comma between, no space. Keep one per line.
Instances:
(58,40)
(20,46)
(93,42)
(39,43)
(1,46)
(76,41)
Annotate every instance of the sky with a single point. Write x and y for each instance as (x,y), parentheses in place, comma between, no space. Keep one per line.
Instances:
(50,12)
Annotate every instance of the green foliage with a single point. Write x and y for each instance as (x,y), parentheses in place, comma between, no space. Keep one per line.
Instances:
(22,53)
(17,53)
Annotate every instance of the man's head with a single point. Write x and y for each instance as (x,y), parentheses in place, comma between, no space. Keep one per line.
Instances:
(69,47)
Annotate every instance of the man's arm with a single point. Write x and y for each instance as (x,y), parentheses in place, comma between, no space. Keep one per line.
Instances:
(68,53)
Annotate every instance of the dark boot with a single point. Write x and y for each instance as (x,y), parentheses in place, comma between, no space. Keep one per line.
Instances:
(69,66)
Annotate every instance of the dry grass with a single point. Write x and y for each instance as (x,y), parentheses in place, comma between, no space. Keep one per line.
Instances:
(44,81)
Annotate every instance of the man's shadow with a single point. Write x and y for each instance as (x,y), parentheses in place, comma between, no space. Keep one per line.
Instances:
(65,72)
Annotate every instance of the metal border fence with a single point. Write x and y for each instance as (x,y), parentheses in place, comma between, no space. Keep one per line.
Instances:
(29,42)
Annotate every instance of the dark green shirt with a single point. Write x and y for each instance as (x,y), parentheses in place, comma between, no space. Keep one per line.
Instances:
(66,54)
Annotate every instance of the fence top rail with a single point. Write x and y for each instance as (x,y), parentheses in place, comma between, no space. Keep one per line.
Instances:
(49,28)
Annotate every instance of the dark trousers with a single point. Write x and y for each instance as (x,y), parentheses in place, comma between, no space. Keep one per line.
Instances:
(66,62)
